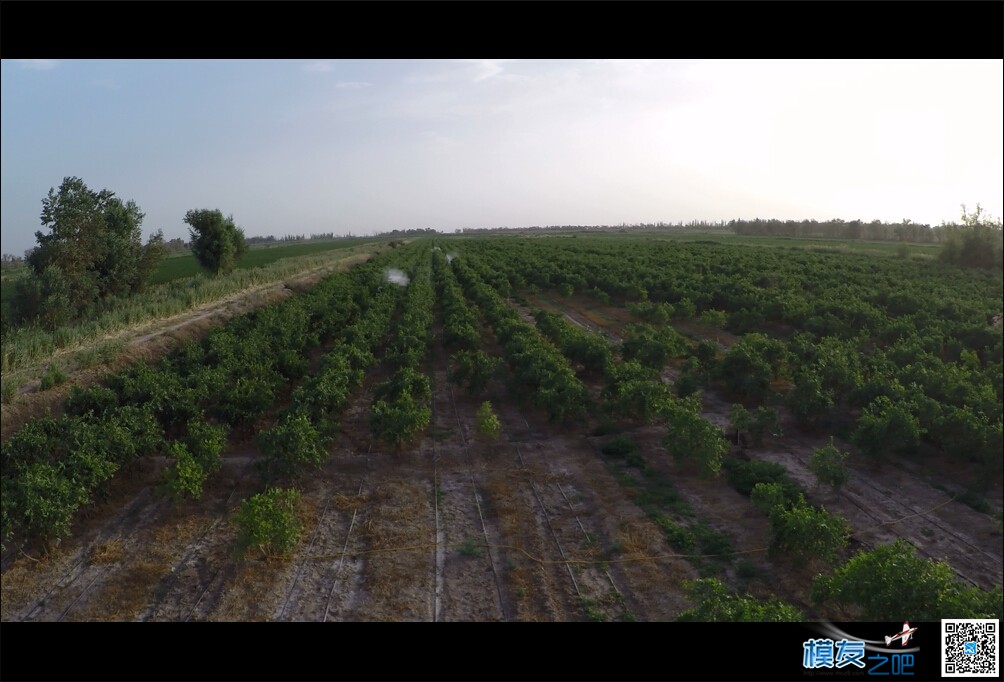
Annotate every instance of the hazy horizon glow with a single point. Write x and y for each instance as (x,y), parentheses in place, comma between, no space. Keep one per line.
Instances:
(304,147)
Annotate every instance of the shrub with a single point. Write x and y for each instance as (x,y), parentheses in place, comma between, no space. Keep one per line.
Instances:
(715,604)
(186,476)
(292,445)
(268,522)
(830,466)
(488,423)
(873,583)
(52,377)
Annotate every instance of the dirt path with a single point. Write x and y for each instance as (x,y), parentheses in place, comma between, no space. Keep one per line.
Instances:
(155,338)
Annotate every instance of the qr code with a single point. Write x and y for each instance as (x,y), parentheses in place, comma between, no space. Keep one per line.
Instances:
(970,648)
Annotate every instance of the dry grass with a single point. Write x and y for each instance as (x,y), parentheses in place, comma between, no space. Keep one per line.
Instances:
(125,597)
(108,552)
(349,502)
(182,531)
(19,585)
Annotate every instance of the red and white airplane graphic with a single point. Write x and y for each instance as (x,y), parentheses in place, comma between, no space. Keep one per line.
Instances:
(904,635)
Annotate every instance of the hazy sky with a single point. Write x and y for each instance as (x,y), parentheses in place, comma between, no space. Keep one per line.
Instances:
(292,147)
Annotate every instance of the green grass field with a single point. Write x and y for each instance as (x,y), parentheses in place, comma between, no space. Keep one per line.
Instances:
(177,266)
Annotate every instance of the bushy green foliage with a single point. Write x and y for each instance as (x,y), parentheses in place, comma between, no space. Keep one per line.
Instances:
(767,496)
(53,377)
(488,423)
(292,445)
(829,465)
(399,421)
(763,420)
(185,477)
(651,312)
(804,532)
(809,400)
(744,476)
(978,242)
(651,346)
(715,604)
(217,242)
(92,253)
(691,437)
(95,400)
(635,391)
(45,500)
(206,443)
(883,583)
(268,523)
(749,366)
(475,368)
(886,427)
(713,318)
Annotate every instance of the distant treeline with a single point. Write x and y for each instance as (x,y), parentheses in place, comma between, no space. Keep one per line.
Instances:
(291,238)
(876,230)
(692,226)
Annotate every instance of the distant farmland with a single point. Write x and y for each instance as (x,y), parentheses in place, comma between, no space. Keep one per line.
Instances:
(184,265)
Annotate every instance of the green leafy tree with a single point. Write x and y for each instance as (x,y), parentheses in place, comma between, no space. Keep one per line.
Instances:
(217,242)
(636,391)
(714,603)
(713,318)
(804,532)
(473,367)
(186,477)
(268,522)
(886,582)
(692,437)
(206,443)
(398,421)
(488,423)
(765,420)
(768,496)
(93,251)
(810,399)
(741,419)
(44,501)
(292,445)
(977,242)
(829,465)
(750,365)
(886,426)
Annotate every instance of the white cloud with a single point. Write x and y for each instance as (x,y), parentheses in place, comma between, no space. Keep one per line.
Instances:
(486,68)
(322,66)
(38,64)
(352,85)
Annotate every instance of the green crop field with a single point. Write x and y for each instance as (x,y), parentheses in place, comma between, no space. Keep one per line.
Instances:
(184,265)
(821,244)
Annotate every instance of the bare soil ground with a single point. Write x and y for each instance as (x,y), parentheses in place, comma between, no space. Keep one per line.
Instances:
(536,525)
